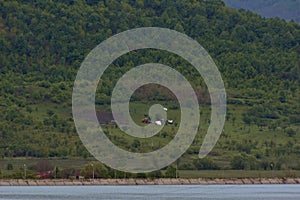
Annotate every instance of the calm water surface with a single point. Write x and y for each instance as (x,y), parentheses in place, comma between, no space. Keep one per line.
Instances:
(232,192)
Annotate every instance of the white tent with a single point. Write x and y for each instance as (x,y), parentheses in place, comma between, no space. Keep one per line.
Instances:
(158,123)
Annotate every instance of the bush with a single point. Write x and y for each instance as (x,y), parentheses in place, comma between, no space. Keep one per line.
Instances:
(141,175)
(205,163)
(291,132)
(244,161)
(155,174)
(171,172)
(238,162)
(9,166)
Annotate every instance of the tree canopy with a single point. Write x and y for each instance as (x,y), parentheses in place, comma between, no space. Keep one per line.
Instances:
(42,44)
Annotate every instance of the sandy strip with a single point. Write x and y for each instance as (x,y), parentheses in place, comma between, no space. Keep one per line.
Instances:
(159,181)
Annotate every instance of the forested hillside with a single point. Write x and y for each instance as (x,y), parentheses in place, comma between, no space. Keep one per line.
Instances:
(42,44)
(285,9)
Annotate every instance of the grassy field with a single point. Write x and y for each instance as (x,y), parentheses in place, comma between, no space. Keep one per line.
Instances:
(18,165)
(237,173)
(262,143)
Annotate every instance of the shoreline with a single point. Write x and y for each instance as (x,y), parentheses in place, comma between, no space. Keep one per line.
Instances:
(157,181)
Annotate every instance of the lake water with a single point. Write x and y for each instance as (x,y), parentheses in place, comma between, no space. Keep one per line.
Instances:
(230,192)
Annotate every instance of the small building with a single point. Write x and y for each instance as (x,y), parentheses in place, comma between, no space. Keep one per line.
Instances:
(170,121)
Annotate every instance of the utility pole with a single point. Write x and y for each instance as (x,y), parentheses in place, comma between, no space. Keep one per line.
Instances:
(24,171)
(176,171)
(55,172)
(177,168)
(93,170)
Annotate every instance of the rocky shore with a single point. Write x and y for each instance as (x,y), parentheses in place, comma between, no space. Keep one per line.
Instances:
(159,181)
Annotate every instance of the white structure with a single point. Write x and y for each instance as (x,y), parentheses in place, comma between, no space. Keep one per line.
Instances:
(158,123)
(170,121)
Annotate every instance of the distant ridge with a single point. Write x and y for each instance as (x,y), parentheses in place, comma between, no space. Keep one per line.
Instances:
(285,9)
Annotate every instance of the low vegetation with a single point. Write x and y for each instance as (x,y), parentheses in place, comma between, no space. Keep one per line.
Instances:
(42,44)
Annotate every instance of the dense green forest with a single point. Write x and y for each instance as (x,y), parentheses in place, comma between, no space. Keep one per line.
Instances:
(43,43)
(285,9)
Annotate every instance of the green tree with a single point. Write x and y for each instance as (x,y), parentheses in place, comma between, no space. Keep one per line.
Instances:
(205,163)
(170,172)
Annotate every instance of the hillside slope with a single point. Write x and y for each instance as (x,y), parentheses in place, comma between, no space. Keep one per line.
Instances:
(42,44)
